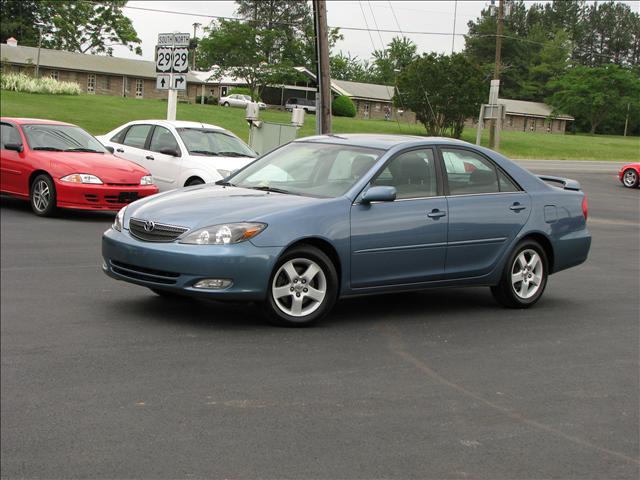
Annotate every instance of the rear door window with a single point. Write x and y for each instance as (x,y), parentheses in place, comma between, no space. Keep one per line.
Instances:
(137,136)
(469,173)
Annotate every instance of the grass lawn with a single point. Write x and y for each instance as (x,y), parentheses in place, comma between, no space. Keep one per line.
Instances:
(100,114)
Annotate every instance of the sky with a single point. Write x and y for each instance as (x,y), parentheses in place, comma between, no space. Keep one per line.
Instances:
(435,16)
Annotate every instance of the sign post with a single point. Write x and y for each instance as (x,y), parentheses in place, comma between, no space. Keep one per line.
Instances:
(172,65)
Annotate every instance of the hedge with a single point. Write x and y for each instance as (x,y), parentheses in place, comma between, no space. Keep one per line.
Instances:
(343,106)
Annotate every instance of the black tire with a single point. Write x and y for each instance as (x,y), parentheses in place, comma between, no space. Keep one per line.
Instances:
(42,196)
(326,282)
(630,178)
(226,104)
(509,293)
(194,181)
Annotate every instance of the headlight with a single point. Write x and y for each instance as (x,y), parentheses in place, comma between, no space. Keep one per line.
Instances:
(224,173)
(146,180)
(119,220)
(81,178)
(224,234)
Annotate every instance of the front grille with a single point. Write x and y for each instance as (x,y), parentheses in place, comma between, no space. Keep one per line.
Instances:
(161,232)
(145,274)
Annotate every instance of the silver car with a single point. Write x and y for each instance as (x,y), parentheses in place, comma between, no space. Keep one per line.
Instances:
(239,100)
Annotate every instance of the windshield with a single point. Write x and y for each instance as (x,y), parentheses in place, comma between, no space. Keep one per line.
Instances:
(61,138)
(315,169)
(214,143)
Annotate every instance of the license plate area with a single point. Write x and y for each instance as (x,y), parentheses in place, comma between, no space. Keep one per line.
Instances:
(127,197)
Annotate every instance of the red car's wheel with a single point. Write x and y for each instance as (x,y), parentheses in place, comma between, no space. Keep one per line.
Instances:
(630,178)
(43,196)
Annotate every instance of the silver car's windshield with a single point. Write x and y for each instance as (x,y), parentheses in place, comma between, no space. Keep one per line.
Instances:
(61,138)
(315,169)
(214,143)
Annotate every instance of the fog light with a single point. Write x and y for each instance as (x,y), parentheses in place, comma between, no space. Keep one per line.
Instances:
(213,283)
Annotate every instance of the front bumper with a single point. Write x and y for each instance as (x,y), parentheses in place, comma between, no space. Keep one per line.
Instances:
(100,197)
(177,267)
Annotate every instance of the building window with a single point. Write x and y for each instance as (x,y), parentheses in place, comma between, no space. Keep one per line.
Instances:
(510,120)
(139,87)
(107,82)
(377,107)
(366,110)
(91,83)
(55,75)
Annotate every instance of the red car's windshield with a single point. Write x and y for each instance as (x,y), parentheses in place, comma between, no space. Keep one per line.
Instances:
(61,138)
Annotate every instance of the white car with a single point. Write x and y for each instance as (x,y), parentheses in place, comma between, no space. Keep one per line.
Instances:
(239,100)
(179,153)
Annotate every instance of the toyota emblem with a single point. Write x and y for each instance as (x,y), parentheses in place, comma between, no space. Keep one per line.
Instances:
(149,226)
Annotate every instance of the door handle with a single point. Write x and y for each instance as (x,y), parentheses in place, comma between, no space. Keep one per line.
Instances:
(119,150)
(435,213)
(516,207)
(149,157)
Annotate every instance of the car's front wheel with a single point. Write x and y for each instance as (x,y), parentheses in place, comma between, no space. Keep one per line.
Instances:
(630,178)
(43,196)
(303,288)
(225,104)
(524,277)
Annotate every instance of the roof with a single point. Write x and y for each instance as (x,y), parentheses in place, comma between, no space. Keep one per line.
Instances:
(63,60)
(177,123)
(225,79)
(33,121)
(532,109)
(379,141)
(366,91)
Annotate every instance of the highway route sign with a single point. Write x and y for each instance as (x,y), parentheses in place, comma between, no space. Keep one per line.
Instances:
(164,59)
(180,60)
(173,39)
(179,82)
(163,81)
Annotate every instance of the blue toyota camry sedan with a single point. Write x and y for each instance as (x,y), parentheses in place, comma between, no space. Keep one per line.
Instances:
(333,216)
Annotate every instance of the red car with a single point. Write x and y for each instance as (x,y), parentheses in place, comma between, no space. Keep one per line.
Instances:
(629,175)
(59,165)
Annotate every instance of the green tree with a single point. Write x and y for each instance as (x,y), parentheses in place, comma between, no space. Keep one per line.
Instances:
(400,52)
(596,94)
(347,67)
(443,91)
(74,25)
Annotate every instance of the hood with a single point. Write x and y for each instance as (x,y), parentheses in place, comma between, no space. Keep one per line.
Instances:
(224,163)
(205,205)
(107,167)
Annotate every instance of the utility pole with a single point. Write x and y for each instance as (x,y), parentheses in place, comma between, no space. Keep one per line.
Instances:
(626,120)
(453,37)
(496,75)
(40,27)
(323,124)
(196,25)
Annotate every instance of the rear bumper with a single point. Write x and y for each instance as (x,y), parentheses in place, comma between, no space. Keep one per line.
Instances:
(99,197)
(177,267)
(571,249)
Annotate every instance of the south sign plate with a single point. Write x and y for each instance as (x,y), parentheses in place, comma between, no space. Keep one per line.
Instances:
(173,39)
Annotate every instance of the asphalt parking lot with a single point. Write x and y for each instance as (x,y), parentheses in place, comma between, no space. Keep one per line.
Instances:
(103,379)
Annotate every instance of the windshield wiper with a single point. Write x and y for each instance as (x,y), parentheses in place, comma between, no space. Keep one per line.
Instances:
(49,149)
(225,184)
(271,189)
(82,149)
(205,152)
(234,154)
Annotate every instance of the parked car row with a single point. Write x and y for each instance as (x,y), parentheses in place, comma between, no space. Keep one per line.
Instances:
(239,100)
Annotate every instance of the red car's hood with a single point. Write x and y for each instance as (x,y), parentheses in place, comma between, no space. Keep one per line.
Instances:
(107,167)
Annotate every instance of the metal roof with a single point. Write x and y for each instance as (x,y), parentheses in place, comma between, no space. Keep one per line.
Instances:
(366,91)
(62,60)
(530,109)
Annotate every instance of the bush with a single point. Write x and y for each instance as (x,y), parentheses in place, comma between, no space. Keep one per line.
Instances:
(19,82)
(343,106)
(243,91)
(208,100)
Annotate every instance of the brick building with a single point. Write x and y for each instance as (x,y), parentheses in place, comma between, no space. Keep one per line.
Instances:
(96,74)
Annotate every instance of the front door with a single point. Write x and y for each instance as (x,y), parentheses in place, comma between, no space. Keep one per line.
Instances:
(13,166)
(486,211)
(404,241)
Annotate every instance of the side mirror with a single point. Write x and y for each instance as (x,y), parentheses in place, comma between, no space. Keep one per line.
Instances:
(170,151)
(16,147)
(110,149)
(379,194)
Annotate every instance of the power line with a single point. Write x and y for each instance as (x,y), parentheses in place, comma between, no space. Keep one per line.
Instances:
(375,22)
(365,22)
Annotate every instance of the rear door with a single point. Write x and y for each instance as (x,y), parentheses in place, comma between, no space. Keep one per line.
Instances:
(404,241)
(133,146)
(487,209)
(166,167)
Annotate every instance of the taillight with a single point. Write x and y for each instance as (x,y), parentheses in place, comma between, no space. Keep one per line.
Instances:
(585,208)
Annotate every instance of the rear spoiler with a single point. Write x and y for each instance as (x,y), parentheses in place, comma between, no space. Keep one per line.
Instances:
(565,183)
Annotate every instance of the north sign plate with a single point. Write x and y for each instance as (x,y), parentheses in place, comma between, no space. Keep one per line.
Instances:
(173,39)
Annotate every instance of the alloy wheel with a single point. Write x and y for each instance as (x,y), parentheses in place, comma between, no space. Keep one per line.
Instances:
(299,287)
(630,178)
(527,274)
(41,196)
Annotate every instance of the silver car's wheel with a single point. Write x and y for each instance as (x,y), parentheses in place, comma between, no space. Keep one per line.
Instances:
(302,288)
(526,274)
(43,196)
(299,287)
(630,178)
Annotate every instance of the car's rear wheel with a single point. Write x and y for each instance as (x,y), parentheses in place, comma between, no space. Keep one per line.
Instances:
(226,104)
(524,277)
(43,196)
(303,288)
(630,178)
